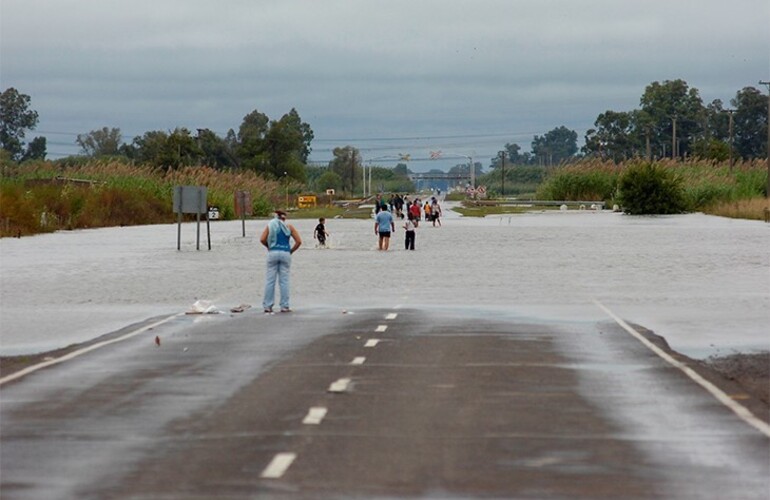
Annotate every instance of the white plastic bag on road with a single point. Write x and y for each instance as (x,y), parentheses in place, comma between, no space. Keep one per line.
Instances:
(203,307)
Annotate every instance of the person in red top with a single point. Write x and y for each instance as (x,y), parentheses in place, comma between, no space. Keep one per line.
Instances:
(416,211)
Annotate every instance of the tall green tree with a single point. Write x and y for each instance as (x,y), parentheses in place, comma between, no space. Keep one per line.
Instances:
(215,151)
(555,146)
(168,150)
(282,148)
(615,136)
(347,164)
(293,121)
(669,102)
(16,118)
(275,148)
(101,142)
(750,127)
(714,142)
(36,149)
(250,147)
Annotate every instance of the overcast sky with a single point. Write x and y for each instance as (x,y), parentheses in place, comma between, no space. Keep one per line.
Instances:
(388,77)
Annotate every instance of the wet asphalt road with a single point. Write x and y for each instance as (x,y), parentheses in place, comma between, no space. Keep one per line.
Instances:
(377,403)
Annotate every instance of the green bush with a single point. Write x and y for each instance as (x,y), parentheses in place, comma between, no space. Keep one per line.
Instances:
(648,188)
(261,206)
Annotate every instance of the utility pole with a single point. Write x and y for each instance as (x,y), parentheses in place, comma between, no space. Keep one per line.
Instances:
(352,171)
(767,193)
(286,181)
(673,139)
(473,172)
(647,143)
(730,132)
(502,177)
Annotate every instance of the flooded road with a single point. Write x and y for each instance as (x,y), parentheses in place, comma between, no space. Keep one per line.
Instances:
(702,282)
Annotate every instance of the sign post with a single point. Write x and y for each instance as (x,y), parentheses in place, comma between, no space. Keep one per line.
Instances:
(191,200)
(243,207)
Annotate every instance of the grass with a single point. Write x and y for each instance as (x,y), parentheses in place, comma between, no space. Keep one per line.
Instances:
(754,209)
(44,196)
(331,213)
(484,210)
(706,184)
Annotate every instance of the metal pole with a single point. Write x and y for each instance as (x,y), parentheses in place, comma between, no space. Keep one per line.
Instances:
(208,230)
(179,219)
(730,128)
(502,189)
(286,180)
(242,203)
(767,193)
(198,222)
(647,143)
(673,140)
(473,173)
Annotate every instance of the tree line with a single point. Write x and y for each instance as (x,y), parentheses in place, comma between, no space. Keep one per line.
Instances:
(671,122)
(274,148)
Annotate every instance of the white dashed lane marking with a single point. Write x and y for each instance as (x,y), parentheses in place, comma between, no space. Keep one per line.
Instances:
(391,316)
(340,385)
(358,360)
(381,328)
(278,466)
(372,342)
(315,415)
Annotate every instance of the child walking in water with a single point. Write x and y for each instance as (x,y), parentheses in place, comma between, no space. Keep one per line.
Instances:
(409,232)
(320,233)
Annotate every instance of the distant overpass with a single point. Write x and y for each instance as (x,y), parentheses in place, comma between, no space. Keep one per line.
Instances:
(440,177)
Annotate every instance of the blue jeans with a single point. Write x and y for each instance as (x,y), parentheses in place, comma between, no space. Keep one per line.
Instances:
(278,263)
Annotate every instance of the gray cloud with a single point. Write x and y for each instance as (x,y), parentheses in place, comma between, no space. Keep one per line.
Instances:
(500,71)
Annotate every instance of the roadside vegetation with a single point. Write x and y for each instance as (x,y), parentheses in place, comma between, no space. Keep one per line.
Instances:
(127,182)
(39,197)
(666,186)
(43,196)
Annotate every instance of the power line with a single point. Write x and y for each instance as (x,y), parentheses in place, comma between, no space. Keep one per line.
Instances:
(424,138)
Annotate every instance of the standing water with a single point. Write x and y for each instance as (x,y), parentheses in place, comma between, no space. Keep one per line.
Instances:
(702,282)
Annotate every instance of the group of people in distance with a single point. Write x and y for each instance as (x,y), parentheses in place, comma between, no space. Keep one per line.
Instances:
(282,239)
(384,224)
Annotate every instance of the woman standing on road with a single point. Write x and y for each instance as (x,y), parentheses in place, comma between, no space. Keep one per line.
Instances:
(277,238)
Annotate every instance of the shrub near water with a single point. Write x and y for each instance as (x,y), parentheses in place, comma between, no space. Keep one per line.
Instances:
(647,188)
(704,184)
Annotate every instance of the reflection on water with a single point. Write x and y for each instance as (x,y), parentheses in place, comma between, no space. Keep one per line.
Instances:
(702,282)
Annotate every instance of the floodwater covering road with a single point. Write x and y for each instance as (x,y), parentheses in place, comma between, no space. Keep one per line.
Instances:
(488,362)
(699,281)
